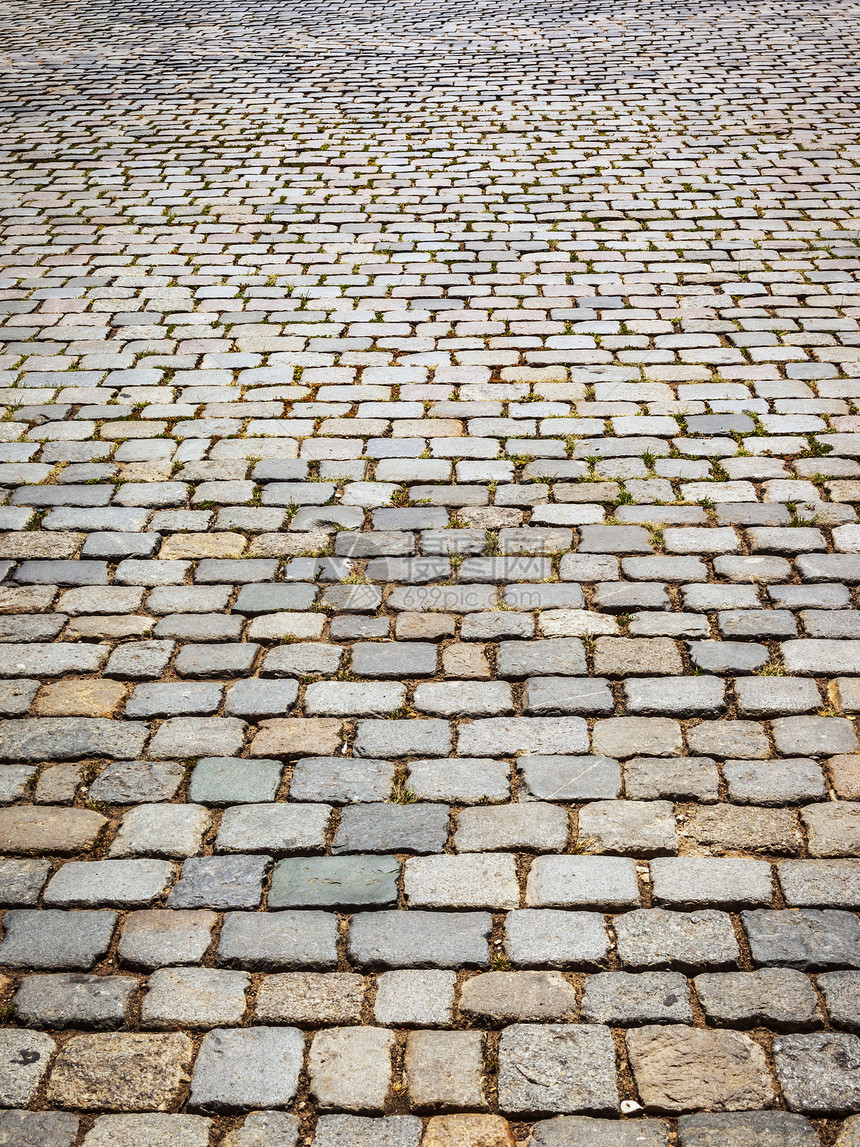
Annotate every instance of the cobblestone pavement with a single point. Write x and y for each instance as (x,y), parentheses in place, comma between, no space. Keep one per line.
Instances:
(429,651)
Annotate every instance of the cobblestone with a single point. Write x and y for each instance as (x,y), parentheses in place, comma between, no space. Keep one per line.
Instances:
(428,576)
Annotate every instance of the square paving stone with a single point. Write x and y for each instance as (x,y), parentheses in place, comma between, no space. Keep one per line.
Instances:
(296,736)
(37,1128)
(193,998)
(544,937)
(813,736)
(270,941)
(620,656)
(733,739)
(833,829)
(340,882)
(359,699)
(457,1130)
(396,738)
(625,998)
(341,780)
(302,660)
(173,698)
(621,737)
(819,1072)
(21,881)
(155,1130)
(310,998)
(684,697)
(165,936)
(248,1067)
(220,882)
(119,1071)
(49,828)
(274,828)
(24,1058)
(774,997)
(49,938)
(548,1069)
(775,696)
(444,1070)
(381,827)
(71,999)
(420,939)
(456,698)
(197,737)
(724,827)
(231,780)
(688,941)
(415,998)
(582,882)
(121,883)
(350,1068)
(678,1068)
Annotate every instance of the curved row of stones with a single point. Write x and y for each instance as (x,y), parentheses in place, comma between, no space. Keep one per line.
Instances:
(429,470)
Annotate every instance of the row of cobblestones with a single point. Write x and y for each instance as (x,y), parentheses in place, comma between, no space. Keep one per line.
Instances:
(429,558)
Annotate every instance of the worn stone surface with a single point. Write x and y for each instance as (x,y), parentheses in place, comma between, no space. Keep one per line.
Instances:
(74,1000)
(468,1131)
(747,1129)
(679,1068)
(351,1068)
(505,997)
(429,560)
(249,1067)
(24,1057)
(554,1069)
(37,1128)
(586,1131)
(121,1072)
(819,1071)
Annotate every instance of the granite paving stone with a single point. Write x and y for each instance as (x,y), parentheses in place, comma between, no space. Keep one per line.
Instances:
(118,1071)
(547,1069)
(678,1067)
(247,1068)
(73,999)
(310,998)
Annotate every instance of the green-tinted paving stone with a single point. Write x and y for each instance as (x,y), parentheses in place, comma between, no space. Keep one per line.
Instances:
(231,780)
(335,881)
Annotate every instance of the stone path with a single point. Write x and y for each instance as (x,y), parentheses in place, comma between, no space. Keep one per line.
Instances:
(429,646)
